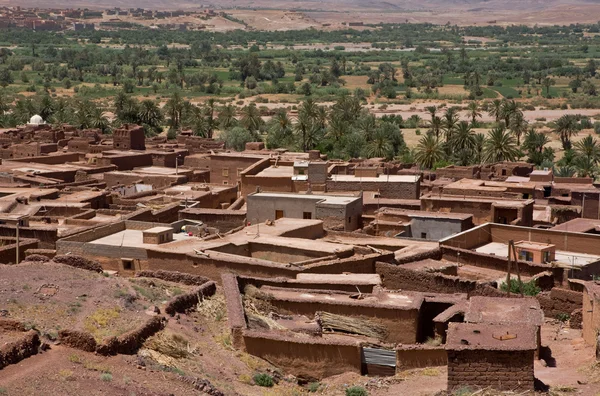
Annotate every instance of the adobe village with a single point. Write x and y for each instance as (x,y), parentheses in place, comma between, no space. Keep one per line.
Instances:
(155,267)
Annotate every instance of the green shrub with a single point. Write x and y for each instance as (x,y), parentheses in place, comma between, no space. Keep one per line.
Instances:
(356,391)
(264,380)
(563,317)
(529,288)
(313,386)
(106,377)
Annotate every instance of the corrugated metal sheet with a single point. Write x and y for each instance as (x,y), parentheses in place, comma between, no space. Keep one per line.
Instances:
(382,357)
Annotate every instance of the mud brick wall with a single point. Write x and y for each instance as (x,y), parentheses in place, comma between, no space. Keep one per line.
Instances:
(47,236)
(397,277)
(560,301)
(20,349)
(235,310)
(500,370)
(419,355)
(8,253)
(186,301)
(222,219)
(483,260)
(309,358)
(396,190)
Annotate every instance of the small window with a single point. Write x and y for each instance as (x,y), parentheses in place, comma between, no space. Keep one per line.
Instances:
(301,171)
(349,219)
(127,264)
(503,172)
(225,172)
(239,171)
(307,215)
(225,182)
(423,235)
(278,214)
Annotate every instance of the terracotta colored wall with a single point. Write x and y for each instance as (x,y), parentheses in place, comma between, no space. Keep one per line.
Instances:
(419,355)
(500,370)
(305,358)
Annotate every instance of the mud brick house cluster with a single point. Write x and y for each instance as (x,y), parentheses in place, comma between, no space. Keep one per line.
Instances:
(414,260)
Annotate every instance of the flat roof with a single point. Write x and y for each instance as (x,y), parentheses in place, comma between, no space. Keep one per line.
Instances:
(499,310)
(493,200)
(533,245)
(157,230)
(422,213)
(468,336)
(326,199)
(379,300)
(279,171)
(133,238)
(577,225)
(382,178)
(362,279)
(567,258)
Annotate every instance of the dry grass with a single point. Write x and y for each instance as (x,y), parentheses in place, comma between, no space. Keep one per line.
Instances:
(170,344)
(98,322)
(213,308)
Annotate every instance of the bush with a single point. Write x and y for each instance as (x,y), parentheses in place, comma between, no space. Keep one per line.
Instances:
(529,288)
(264,380)
(314,386)
(106,377)
(356,391)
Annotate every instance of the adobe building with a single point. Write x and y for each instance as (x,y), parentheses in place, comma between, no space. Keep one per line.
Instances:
(129,137)
(535,252)
(419,224)
(337,211)
(576,255)
(157,235)
(386,186)
(499,357)
(483,209)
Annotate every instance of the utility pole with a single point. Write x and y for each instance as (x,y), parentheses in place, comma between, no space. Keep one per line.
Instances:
(512,255)
(18,244)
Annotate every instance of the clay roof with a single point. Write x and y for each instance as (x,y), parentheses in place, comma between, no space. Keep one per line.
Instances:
(509,311)
(577,225)
(469,336)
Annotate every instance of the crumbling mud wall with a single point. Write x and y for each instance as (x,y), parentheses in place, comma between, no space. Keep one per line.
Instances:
(420,355)
(560,301)
(130,342)
(308,358)
(434,254)
(20,349)
(186,301)
(78,262)
(77,339)
(396,277)
(173,276)
(499,370)
(235,310)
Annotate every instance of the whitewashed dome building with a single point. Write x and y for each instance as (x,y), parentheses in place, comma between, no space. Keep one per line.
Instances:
(36,120)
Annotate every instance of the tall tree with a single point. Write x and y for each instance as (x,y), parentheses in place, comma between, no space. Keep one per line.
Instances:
(429,151)
(499,146)
(565,128)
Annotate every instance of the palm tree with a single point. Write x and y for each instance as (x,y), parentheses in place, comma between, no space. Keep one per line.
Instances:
(566,127)
(450,120)
(380,147)
(508,110)
(588,147)
(432,110)
(149,113)
(279,130)
(251,119)
(565,171)
(435,126)
(429,151)
(338,128)
(518,125)
(366,126)
(500,146)
(495,109)
(174,108)
(547,83)
(585,166)
(97,119)
(226,117)
(474,112)
(463,137)
(478,144)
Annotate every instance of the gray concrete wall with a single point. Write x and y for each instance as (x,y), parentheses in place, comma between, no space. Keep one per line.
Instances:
(435,229)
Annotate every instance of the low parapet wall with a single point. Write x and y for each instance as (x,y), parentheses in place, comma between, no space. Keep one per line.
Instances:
(419,355)
(397,277)
(307,358)
(184,302)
